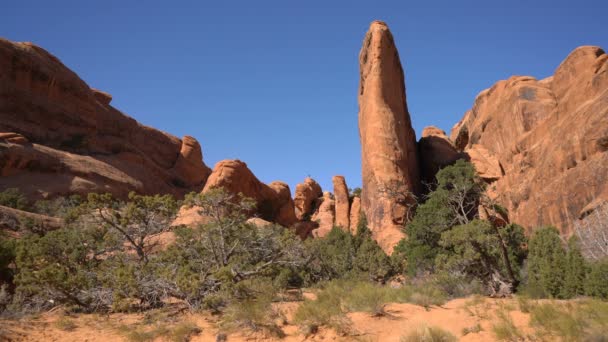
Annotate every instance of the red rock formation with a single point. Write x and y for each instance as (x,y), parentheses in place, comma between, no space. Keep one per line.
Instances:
(190,164)
(80,142)
(274,202)
(285,215)
(305,196)
(325,215)
(388,142)
(342,202)
(436,151)
(355,215)
(543,144)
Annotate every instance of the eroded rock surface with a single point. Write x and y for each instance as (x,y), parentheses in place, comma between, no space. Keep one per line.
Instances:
(79,142)
(342,202)
(388,142)
(542,143)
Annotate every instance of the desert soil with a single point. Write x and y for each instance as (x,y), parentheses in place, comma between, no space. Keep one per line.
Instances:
(454,316)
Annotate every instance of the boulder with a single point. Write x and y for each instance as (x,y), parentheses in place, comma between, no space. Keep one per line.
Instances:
(286,214)
(274,203)
(388,142)
(305,196)
(190,164)
(325,215)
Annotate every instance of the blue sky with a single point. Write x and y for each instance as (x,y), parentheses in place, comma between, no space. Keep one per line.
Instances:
(274,83)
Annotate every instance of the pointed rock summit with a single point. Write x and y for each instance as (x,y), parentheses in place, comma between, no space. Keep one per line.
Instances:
(388,142)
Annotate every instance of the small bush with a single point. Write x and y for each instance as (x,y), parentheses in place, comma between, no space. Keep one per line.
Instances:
(65,324)
(477,307)
(472,330)
(505,329)
(326,310)
(428,296)
(428,334)
(368,297)
(182,332)
(255,315)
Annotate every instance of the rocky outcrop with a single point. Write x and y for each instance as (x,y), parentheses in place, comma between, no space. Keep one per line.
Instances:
(11,220)
(190,164)
(388,142)
(274,202)
(325,215)
(78,141)
(342,202)
(436,151)
(542,144)
(305,196)
(355,215)
(285,212)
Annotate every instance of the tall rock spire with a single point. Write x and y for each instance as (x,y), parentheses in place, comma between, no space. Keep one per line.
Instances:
(388,142)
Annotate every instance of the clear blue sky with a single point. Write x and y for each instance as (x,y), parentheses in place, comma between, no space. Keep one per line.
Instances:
(274,83)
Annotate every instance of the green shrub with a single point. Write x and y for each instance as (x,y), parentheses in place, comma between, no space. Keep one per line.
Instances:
(58,268)
(325,310)
(440,212)
(342,255)
(596,282)
(572,321)
(546,264)
(253,315)
(428,334)
(428,296)
(368,297)
(13,198)
(576,270)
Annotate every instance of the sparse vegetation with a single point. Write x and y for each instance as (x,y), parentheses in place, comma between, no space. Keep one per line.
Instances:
(505,329)
(65,324)
(428,334)
(472,329)
(13,198)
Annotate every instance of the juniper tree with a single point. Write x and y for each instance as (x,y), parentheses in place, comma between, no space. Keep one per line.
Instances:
(546,263)
(576,269)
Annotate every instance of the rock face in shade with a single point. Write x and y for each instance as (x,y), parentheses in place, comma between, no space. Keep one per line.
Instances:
(273,201)
(388,142)
(342,202)
(305,196)
(78,143)
(355,214)
(543,144)
(436,151)
(325,215)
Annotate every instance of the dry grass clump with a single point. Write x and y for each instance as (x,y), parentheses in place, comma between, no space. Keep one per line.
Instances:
(428,334)
(181,332)
(571,321)
(255,315)
(472,329)
(505,329)
(65,324)
(326,310)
